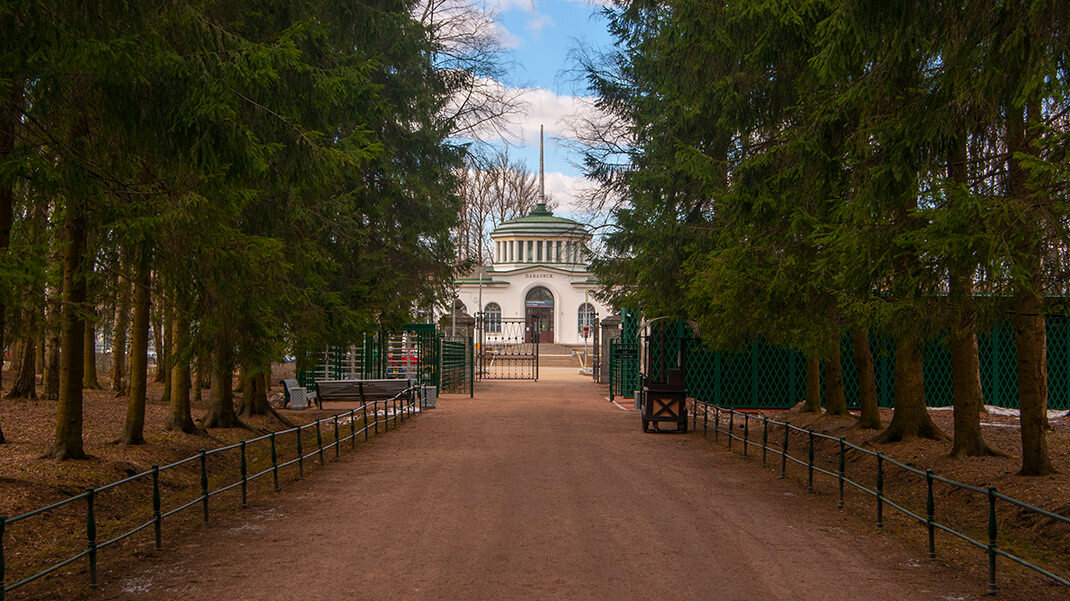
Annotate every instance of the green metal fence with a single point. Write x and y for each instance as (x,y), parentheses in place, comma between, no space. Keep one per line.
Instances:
(414,352)
(787,443)
(623,368)
(261,455)
(624,357)
(456,367)
(763,376)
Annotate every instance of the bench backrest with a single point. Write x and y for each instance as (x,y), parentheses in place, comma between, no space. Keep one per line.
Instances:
(296,395)
(360,390)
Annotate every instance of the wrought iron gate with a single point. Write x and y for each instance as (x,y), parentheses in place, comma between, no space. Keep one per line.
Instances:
(503,352)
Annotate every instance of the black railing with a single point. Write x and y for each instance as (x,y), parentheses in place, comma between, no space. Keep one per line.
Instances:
(402,405)
(991,546)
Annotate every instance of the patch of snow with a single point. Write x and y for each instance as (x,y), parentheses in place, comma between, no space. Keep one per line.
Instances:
(1006,412)
(246,528)
(136,586)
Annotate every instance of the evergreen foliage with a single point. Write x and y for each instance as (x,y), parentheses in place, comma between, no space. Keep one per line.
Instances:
(800,170)
(282,169)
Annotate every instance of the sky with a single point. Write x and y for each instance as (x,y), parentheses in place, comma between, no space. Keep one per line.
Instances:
(539,35)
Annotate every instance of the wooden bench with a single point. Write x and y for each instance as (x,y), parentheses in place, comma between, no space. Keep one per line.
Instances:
(360,391)
(296,396)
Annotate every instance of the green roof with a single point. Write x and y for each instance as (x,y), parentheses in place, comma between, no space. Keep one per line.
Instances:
(540,221)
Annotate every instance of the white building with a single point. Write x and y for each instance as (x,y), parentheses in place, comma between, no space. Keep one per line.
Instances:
(539,271)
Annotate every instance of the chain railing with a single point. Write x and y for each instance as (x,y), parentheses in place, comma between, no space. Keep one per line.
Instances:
(397,409)
(926,517)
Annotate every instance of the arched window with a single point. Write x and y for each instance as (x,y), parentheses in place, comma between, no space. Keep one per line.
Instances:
(586,318)
(492,316)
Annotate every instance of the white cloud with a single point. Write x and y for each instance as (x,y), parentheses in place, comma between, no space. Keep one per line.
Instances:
(554,111)
(506,38)
(539,21)
(507,5)
(567,191)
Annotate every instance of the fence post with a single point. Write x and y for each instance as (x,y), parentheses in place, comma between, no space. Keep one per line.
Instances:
(244,479)
(319,441)
(746,433)
(91,535)
(880,491)
(3,521)
(930,511)
(395,404)
(694,416)
(336,443)
(784,451)
(375,414)
(705,418)
(765,437)
(352,430)
(843,460)
(275,462)
(300,454)
(810,464)
(204,483)
(365,408)
(731,427)
(992,541)
(157,517)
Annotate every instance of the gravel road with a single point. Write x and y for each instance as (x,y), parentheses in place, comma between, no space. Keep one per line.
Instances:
(542,491)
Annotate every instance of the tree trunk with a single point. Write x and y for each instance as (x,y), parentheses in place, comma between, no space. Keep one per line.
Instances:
(50,377)
(910,418)
(118,346)
(168,344)
(1030,342)
(180,417)
(254,395)
(10,118)
(221,411)
(89,370)
(25,386)
(965,363)
(1030,339)
(161,352)
(39,357)
(198,379)
(134,429)
(68,441)
(836,398)
(870,415)
(813,385)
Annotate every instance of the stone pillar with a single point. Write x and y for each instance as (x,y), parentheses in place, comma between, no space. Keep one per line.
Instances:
(610,328)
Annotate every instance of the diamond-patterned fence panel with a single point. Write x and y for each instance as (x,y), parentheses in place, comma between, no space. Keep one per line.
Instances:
(762,376)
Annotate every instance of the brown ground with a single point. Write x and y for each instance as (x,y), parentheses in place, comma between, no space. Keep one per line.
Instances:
(550,490)
(543,491)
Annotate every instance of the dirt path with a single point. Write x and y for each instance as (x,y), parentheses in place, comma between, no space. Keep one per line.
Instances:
(542,491)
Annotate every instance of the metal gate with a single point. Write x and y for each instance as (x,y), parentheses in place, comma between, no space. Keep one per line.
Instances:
(504,353)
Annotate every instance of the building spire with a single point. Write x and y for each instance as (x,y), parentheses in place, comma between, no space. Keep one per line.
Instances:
(542,172)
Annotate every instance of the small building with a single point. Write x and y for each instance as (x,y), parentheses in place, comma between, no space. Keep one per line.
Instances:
(539,272)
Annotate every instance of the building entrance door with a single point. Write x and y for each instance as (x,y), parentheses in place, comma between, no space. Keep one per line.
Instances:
(539,309)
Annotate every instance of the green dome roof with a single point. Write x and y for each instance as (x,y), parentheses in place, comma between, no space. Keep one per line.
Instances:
(541,222)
